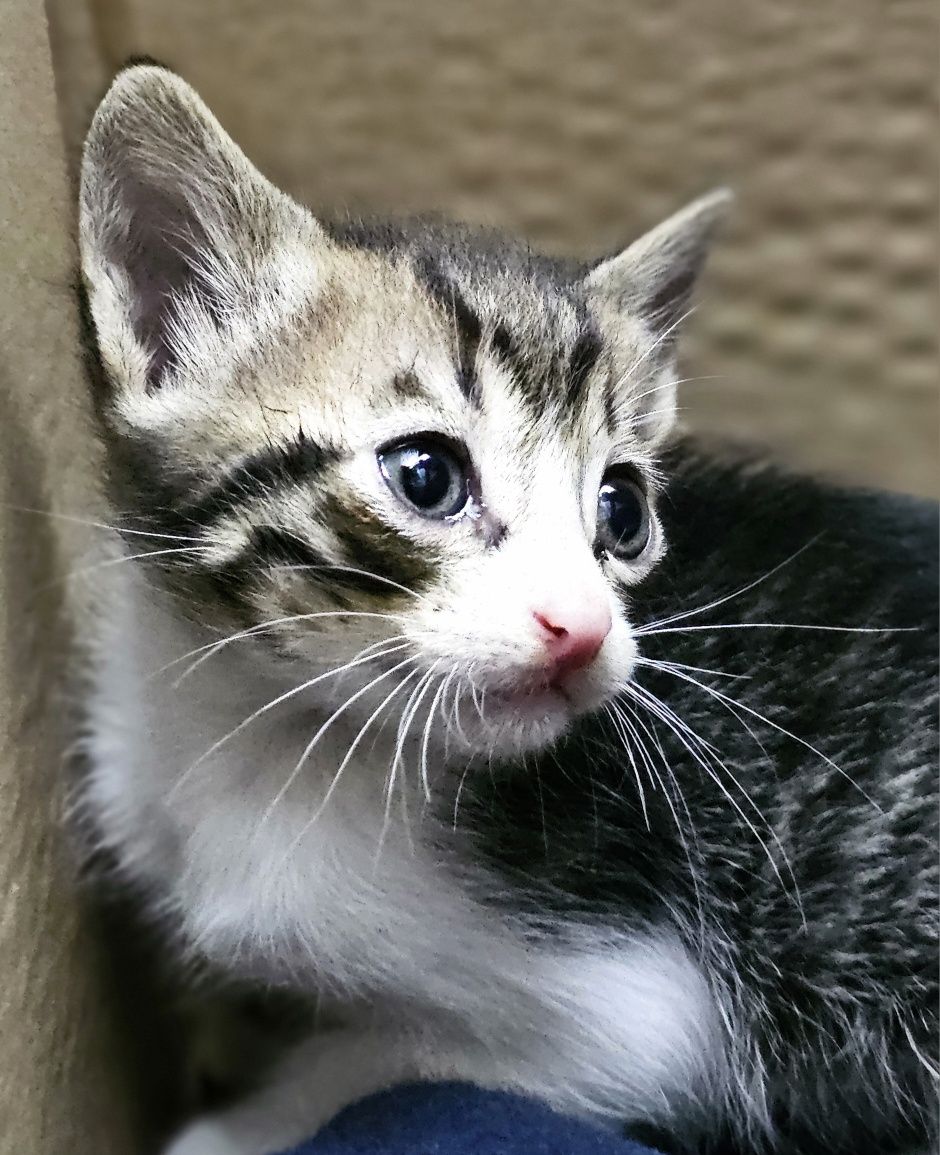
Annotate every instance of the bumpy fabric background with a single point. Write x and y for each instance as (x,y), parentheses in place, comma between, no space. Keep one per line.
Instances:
(581,122)
(577,122)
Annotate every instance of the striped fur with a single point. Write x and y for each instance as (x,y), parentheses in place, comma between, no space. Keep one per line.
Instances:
(290,728)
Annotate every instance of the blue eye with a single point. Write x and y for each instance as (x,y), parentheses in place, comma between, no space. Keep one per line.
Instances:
(427,476)
(623,518)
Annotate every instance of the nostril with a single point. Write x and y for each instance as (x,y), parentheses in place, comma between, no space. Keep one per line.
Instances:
(549,626)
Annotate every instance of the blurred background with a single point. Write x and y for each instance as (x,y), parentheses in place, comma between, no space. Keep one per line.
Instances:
(579,123)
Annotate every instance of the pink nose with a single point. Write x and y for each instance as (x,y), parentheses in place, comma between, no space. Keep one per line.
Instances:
(572,636)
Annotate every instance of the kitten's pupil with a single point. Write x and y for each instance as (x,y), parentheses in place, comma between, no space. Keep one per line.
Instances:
(623,525)
(427,477)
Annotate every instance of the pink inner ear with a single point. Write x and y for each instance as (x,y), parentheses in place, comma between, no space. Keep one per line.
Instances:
(158,251)
(163,189)
(664,309)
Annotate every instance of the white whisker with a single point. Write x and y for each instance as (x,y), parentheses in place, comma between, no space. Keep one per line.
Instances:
(647,353)
(704,754)
(654,738)
(425,740)
(670,667)
(311,745)
(404,723)
(653,633)
(83,571)
(618,723)
(212,648)
(728,597)
(99,524)
(674,385)
(731,704)
(463,778)
(656,663)
(444,713)
(362,573)
(353,746)
(288,694)
(427,681)
(458,725)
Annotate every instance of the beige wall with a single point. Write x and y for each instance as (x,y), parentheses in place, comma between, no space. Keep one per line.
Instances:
(579,122)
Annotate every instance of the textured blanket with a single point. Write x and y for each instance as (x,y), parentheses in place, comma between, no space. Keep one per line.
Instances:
(455,1119)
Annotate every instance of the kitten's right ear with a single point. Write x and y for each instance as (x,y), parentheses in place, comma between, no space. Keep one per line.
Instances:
(185,246)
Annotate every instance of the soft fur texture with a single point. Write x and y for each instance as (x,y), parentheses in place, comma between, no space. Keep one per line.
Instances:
(689,885)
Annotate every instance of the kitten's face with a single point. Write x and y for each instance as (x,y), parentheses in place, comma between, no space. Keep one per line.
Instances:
(420,462)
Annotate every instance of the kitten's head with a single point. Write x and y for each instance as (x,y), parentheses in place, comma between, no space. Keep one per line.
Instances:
(413,439)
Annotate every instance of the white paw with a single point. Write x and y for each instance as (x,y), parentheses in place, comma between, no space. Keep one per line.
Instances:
(210,1137)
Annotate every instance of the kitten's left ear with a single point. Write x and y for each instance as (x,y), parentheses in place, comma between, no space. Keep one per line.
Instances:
(651,282)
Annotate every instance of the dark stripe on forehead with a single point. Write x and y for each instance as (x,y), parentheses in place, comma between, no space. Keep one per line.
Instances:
(549,372)
(506,348)
(275,468)
(468,330)
(467,325)
(610,404)
(534,365)
(584,356)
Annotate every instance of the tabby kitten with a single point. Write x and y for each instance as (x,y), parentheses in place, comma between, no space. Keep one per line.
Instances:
(405,702)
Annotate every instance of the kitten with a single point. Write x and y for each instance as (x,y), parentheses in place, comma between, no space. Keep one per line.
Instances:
(406,703)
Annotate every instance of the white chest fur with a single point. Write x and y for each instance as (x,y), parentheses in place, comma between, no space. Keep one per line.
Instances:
(591,1020)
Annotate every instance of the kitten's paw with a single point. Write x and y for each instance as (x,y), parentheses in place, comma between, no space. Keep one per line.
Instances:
(211,1137)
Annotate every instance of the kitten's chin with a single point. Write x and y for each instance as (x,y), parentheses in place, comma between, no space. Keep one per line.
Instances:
(509,725)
